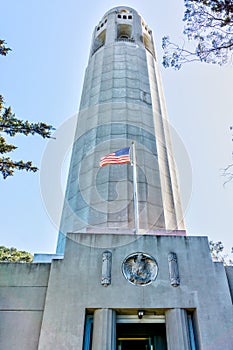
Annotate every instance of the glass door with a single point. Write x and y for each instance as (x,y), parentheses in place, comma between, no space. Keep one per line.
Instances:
(135,336)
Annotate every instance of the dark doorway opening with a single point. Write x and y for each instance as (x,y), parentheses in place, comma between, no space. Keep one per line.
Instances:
(141,336)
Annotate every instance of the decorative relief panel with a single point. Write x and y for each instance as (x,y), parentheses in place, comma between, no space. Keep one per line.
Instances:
(140,269)
(106,268)
(173,269)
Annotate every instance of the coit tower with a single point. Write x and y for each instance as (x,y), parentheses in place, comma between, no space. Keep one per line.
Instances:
(122,101)
(125,281)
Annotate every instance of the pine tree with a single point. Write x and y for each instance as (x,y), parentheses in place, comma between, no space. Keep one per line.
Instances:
(10,125)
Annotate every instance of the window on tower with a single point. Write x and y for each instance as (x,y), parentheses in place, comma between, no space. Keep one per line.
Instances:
(148,44)
(99,41)
(124,16)
(124,32)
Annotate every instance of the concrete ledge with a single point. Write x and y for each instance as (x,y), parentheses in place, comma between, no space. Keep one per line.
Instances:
(46,258)
(120,231)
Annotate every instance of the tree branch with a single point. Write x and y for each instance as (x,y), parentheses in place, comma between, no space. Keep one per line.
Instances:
(7,166)
(3,49)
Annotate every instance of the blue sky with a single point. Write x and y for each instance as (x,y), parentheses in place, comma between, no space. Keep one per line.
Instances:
(42,80)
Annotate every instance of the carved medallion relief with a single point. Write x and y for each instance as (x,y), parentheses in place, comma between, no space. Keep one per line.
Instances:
(140,269)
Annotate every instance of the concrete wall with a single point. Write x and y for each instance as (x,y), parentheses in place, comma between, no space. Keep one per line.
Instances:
(23,290)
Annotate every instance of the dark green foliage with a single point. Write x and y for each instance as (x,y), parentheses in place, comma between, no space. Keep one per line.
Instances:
(3,49)
(14,255)
(209,25)
(7,166)
(5,147)
(11,126)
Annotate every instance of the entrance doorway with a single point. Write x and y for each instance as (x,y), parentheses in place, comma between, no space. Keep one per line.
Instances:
(132,333)
(141,336)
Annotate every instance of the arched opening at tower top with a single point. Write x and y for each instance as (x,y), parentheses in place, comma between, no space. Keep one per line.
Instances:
(124,11)
(99,41)
(148,43)
(124,31)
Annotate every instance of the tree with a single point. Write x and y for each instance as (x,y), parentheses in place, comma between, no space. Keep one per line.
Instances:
(11,126)
(14,255)
(3,49)
(208,24)
(218,255)
(227,172)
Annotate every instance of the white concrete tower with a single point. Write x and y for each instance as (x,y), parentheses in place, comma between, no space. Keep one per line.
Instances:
(122,101)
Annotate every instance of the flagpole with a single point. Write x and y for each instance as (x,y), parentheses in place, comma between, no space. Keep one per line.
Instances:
(135,188)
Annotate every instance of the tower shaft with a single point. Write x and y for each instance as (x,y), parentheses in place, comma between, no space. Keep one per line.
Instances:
(122,101)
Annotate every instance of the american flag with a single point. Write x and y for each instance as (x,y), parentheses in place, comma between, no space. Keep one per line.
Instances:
(119,157)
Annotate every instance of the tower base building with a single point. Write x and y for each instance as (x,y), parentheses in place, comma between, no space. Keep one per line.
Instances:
(111,287)
(117,292)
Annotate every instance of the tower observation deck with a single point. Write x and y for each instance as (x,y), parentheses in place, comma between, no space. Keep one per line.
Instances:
(122,101)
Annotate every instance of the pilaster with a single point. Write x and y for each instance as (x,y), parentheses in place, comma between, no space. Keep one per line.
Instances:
(177,330)
(104,331)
